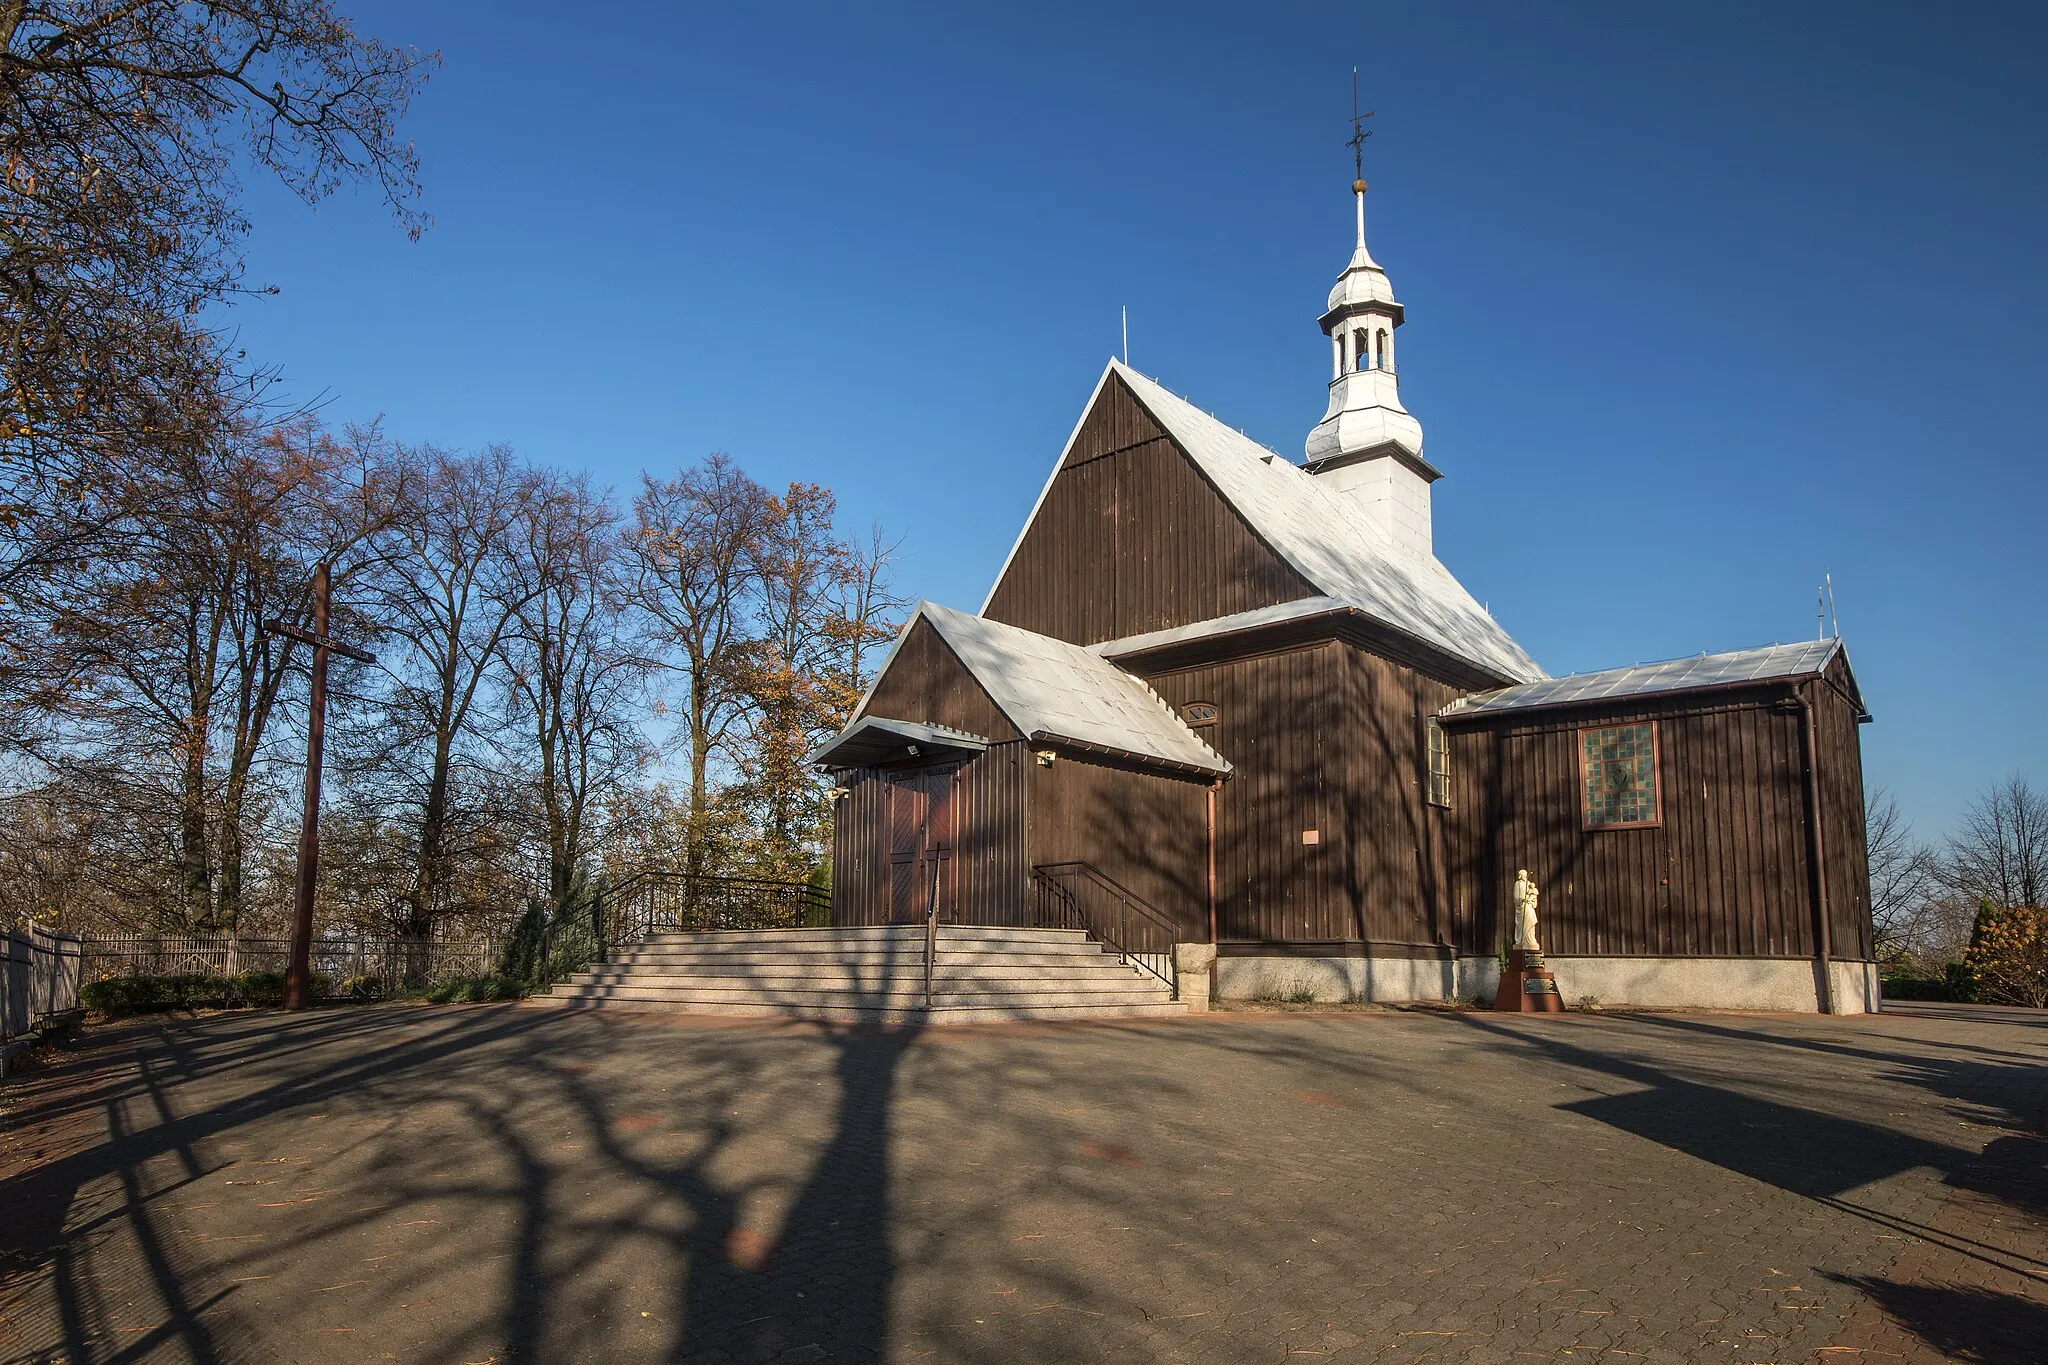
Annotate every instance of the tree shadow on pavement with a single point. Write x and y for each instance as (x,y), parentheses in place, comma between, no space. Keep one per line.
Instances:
(740,1299)
(1964,1323)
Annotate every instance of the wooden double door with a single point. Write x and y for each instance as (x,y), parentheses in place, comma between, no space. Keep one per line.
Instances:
(923,819)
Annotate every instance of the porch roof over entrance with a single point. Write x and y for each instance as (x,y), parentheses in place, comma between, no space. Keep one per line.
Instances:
(1053,690)
(879,739)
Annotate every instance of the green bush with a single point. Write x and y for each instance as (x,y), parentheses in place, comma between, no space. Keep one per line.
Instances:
(147,994)
(1952,981)
(467,990)
(363,988)
(1907,982)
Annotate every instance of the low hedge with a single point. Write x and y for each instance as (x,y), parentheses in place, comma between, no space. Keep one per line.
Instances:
(468,990)
(145,994)
(1952,981)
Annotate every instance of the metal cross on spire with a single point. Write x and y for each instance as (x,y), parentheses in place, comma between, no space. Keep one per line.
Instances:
(1359,132)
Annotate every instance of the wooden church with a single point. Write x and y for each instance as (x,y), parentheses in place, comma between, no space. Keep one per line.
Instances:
(1220,697)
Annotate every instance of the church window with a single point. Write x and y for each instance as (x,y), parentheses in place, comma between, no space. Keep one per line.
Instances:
(1361,347)
(1439,765)
(1618,775)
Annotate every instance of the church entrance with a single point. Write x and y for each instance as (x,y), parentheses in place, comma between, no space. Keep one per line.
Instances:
(921,831)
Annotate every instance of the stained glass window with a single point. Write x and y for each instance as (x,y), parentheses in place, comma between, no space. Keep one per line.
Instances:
(1618,764)
(1439,766)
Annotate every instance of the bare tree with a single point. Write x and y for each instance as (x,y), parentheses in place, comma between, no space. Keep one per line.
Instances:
(451,591)
(1900,875)
(571,663)
(695,545)
(2000,854)
(121,125)
(178,680)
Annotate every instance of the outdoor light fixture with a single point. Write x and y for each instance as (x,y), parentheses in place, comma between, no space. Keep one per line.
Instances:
(913,751)
(837,793)
(1046,757)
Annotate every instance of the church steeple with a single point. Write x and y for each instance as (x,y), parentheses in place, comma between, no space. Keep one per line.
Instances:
(1367,444)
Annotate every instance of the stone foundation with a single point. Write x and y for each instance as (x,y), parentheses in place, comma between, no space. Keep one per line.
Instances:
(1737,983)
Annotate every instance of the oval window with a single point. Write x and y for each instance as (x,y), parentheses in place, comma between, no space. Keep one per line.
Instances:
(1199,713)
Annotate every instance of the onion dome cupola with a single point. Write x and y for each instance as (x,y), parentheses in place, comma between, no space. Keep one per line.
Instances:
(1367,443)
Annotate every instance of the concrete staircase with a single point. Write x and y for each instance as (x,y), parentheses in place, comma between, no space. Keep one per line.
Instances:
(873,975)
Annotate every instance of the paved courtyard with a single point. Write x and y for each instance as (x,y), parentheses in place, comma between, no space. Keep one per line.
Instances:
(494,1183)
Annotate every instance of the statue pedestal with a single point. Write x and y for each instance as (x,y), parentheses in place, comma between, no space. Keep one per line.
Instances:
(1528,987)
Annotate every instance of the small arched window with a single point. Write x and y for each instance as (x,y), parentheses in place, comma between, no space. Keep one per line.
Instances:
(1361,346)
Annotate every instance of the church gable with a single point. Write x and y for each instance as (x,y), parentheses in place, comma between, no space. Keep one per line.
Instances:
(925,681)
(1129,537)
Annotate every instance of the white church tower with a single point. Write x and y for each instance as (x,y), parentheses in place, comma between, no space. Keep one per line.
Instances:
(1368,446)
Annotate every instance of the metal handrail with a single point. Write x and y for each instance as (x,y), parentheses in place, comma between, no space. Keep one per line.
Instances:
(931,936)
(1081,896)
(653,900)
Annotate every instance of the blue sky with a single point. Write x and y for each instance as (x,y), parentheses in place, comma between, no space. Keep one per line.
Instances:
(1703,301)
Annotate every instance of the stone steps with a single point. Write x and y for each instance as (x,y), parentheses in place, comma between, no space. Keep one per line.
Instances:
(880,1014)
(803,964)
(872,974)
(1112,976)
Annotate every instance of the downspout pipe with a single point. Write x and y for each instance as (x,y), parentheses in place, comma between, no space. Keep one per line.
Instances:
(1214,787)
(1816,852)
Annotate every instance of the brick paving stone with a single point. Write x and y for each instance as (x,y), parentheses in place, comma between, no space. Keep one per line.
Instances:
(473,1183)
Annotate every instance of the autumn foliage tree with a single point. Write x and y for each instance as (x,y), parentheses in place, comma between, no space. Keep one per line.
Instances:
(2008,955)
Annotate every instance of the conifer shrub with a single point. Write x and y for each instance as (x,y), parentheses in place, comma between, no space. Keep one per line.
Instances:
(818,912)
(551,943)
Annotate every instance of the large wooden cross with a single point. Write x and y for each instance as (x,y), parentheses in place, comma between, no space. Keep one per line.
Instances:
(299,973)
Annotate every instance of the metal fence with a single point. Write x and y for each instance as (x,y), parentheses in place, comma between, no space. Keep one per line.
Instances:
(393,962)
(39,975)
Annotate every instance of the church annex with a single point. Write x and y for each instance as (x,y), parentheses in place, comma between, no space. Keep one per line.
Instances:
(1219,697)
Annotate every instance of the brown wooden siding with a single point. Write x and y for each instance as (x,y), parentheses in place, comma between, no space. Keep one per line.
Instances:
(1148,832)
(1326,738)
(1724,874)
(1844,838)
(926,682)
(985,879)
(1131,538)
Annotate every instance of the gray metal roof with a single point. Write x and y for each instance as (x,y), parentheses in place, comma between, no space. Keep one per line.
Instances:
(1296,610)
(1769,663)
(1053,690)
(1323,538)
(874,739)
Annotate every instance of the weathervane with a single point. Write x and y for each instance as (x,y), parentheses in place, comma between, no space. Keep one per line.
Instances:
(1359,132)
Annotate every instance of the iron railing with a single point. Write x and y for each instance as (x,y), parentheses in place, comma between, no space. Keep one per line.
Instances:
(657,902)
(1077,896)
(393,960)
(39,972)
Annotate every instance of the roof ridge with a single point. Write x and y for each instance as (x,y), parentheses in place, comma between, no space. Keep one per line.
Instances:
(1312,530)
